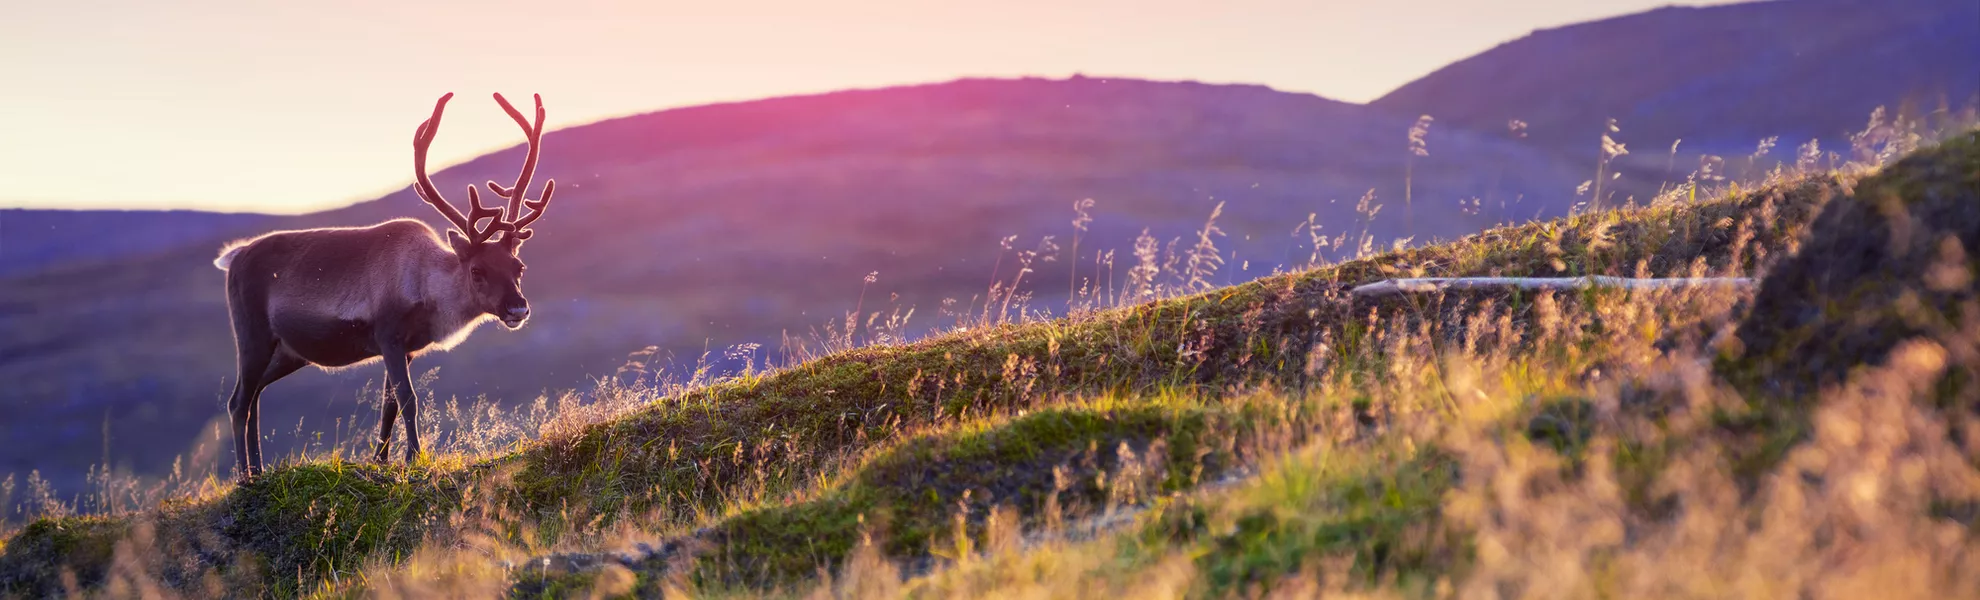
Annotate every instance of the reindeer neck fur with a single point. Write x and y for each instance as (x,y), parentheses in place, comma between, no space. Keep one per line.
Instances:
(446,284)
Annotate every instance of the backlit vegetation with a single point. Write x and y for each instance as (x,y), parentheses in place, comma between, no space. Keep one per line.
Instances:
(1174,438)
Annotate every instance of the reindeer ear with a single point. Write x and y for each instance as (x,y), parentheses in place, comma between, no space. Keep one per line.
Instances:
(462,246)
(512,242)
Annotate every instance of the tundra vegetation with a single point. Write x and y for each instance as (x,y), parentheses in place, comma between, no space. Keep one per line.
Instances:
(1811,438)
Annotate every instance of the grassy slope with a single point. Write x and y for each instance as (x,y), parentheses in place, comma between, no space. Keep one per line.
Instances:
(1774,490)
(790,433)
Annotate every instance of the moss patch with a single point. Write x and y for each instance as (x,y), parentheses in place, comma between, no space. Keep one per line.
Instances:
(38,556)
(1050,465)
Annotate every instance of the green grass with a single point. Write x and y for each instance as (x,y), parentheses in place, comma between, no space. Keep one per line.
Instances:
(1376,514)
(327,518)
(909,497)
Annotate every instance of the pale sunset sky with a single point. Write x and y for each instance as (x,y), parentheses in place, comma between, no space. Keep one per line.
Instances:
(289,107)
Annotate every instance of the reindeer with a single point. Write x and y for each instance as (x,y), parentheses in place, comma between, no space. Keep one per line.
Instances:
(338,297)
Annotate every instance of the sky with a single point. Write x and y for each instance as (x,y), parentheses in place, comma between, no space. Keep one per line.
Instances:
(291,107)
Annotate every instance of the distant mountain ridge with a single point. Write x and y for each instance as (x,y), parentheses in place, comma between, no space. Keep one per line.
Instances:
(1719,77)
(32,240)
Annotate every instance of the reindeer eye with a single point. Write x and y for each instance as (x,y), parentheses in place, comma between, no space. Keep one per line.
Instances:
(479,273)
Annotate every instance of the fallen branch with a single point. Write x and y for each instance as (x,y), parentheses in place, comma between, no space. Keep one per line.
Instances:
(1396,287)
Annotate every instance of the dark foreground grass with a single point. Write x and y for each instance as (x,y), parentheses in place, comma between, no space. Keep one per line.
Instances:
(753,440)
(1880,267)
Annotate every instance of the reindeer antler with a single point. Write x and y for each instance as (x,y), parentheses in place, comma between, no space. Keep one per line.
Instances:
(476,212)
(515,220)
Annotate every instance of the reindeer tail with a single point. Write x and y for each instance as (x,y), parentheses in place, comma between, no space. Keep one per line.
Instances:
(227,254)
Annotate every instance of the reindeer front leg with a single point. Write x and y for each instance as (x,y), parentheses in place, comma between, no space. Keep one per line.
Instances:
(399,395)
(387,413)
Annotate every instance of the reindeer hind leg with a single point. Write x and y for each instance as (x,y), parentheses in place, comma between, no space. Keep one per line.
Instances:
(254,347)
(281,363)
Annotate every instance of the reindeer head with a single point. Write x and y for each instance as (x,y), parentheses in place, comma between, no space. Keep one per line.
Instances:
(488,254)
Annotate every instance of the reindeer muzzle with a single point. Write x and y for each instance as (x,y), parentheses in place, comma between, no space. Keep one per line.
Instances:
(515,316)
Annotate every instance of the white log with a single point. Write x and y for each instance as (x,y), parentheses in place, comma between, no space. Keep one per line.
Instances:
(1394,287)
